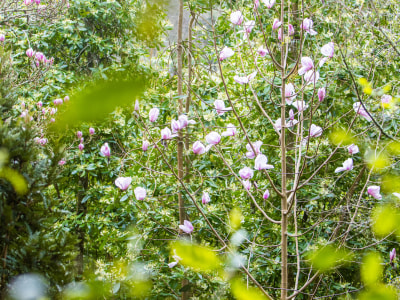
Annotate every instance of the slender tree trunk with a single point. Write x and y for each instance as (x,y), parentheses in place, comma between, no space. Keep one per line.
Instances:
(81,208)
(182,213)
(293,52)
(284,256)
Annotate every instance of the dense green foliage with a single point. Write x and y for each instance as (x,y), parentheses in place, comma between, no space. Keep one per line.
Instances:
(86,236)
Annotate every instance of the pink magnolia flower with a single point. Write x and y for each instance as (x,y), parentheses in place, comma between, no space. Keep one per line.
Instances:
(172,264)
(290,29)
(374,190)
(205,198)
(256,4)
(58,101)
(91,131)
(79,134)
(2,37)
(42,141)
(268,3)
(328,49)
(276,24)
(321,94)
(184,121)
(359,109)
(37,2)
(52,120)
(262,51)
(248,26)
(246,173)
(257,146)
(28,2)
(245,79)
(347,166)
(278,124)
(61,162)
(30,52)
(53,111)
(311,76)
(145,145)
(40,56)
(266,194)
(291,114)
(105,150)
(246,184)
(39,104)
(225,53)
(153,114)
(307,26)
(230,130)
(137,105)
(353,149)
(175,126)
(260,163)
(166,134)
(81,146)
(290,93)
(315,131)
(392,255)
(220,107)
(123,182)
(323,61)
(280,34)
(198,148)
(187,227)
(81,140)
(213,138)
(66,98)
(140,193)
(237,18)
(300,105)
(306,65)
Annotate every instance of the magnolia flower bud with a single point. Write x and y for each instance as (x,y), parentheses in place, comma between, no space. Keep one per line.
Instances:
(91,131)
(246,173)
(205,198)
(153,114)
(140,193)
(30,52)
(145,145)
(105,150)
(213,138)
(79,134)
(123,182)
(81,146)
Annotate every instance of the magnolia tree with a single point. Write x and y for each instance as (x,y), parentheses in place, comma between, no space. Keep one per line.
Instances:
(256,138)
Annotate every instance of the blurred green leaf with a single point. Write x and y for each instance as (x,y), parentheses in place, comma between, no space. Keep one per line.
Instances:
(328,257)
(95,101)
(241,292)
(371,269)
(386,219)
(17,180)
(197,257)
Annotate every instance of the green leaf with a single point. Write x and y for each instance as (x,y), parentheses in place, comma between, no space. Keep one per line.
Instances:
(371,269)
(95,101)
(328,257)
(16,179)
(197,257)
(241,292)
